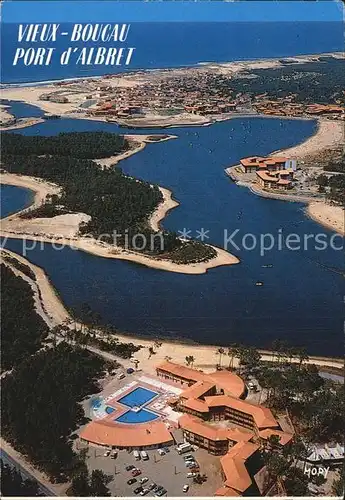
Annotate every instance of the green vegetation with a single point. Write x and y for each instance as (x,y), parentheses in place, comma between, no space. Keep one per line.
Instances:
(320,82)
(119,205)
(192,252)
(76,144)
(23,330)
(93,485)
(40,406)
(13,485)
(20,266)
(333,186)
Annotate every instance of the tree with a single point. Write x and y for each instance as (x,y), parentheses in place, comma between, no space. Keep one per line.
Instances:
(232,351)
(190,360)
(339,483)
(94,485)
(80,485)
(220,353)
(98,484)
(151,351)
(249,357)
(13,484)
(296,483)
(303,356)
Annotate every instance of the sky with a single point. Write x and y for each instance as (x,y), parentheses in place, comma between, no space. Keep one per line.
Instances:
(168,11)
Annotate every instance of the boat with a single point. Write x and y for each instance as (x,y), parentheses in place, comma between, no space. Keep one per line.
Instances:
(267,265)
(259,283)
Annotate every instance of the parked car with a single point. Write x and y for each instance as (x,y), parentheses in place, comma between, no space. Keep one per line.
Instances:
(131,481)
(144,480)
(191,474)
(121,376)
(157,488)
(107,453)
(195,469)
(152,486)
(160,493)
(188,457)
(144,492)
(130,467)
(138,490)
(161,452)
(191,464)
(185,488)
(144,455)
(136,472)
(166,449)
(136,455)
(130,370)
(113,454)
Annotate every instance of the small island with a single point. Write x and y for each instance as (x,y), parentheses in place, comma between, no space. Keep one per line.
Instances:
(93,203)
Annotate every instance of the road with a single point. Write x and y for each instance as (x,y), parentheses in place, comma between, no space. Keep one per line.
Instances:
(25,474)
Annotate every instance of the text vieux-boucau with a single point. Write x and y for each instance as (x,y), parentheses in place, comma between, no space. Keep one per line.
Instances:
(107,33)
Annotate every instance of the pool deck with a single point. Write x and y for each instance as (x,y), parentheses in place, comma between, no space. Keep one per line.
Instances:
(106,430)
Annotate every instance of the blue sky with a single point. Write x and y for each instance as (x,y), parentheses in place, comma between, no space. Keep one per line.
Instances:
(108,11)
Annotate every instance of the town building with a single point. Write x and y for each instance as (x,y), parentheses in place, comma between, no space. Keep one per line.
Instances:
(281,179)
(257,163)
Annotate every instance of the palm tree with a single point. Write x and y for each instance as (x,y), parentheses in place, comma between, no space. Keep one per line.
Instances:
(232,353)
(220,353)
(136,364)
(190,360)
(303,356)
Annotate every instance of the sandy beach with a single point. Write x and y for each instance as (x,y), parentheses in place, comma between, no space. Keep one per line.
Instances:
(41,188)
(137,142)
(330,216)
(163,208)
(329,133)
(62,230)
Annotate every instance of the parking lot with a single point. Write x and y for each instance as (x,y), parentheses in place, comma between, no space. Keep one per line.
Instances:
(168,471)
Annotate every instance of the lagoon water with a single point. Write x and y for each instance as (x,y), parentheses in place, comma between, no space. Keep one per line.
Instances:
(14,198)
(302,296)
(301,299)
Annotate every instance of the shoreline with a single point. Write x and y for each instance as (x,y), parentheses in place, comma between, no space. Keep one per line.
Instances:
(67,228)
(328,134)
(206,356)
(338,54)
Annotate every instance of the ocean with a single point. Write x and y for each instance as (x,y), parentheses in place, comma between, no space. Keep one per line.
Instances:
(168,45)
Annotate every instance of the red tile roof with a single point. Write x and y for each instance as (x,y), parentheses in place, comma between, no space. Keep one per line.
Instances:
(197,426)
(262,416)
(122,435)
(229,382)
(234,468)
(285,437)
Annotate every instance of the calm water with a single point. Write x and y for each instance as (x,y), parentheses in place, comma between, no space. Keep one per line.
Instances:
(14,199)
(301,299)
(166,45)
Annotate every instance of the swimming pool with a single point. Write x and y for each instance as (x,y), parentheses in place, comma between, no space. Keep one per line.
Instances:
(136,417)
(138,397)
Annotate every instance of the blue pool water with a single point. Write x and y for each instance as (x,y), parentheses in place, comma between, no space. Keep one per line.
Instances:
(109,410)
(138,397)
(132,417)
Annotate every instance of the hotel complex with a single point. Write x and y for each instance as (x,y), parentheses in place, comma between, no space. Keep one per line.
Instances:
(209,409)
(271,172)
